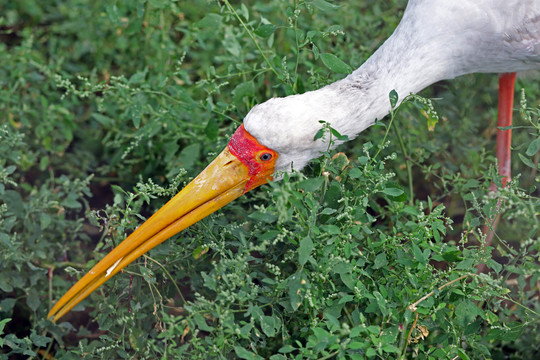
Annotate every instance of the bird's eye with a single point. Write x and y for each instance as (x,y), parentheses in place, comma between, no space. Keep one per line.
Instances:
(265,156)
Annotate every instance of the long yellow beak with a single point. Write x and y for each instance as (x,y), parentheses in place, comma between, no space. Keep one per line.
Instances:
(221,182)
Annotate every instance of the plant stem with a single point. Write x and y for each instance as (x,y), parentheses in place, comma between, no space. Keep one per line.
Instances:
(408,163)
(297,44)
(381,145)
(168,275)
(408,339)
(413,309)
(413,306)
(231,9)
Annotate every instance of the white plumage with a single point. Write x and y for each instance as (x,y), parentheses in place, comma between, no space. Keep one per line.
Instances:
(435,40)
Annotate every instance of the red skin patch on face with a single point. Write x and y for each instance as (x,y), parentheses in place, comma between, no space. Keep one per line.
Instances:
(248,150)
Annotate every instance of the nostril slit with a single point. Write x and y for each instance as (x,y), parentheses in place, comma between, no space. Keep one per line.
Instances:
(228,163)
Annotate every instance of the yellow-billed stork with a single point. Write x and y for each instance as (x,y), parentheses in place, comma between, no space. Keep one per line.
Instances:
(435,40)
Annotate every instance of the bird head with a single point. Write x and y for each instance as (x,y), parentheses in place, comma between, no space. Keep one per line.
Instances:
(242,166)
(288,125)
(275,137)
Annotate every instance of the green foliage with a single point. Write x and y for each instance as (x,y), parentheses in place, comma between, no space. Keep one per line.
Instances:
(108,108)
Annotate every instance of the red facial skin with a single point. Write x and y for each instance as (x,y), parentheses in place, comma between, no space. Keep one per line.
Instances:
(248,150)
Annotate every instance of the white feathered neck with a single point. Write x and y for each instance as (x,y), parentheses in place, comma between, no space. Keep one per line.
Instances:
(435,40)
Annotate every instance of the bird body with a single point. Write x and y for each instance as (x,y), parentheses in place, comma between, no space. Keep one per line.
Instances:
(435,40)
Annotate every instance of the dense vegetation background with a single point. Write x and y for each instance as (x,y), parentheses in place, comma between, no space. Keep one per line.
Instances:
(107,108)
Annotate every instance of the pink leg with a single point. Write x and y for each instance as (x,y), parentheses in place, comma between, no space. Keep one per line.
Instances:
(504,137)
(504,141)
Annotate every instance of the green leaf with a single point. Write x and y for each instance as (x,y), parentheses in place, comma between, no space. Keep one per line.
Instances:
(343,267)
(331,229)
(7,305)
(348,280)
(212,21)
(304,250)
(264,217)
(39,340)
(418,255)
(356,173)
(381,303)
(452,255)
(462,355)
(393,191)
(324,5)
(380,261)
(278,357)
(371,352)
(44,220)
(245,354)
(242,90)
(312,184)
(465,264)
(3,323)
(171,149)
(393,96)
(295,288)
(286,349)
(199,251)
(270,325)
(103,120)
(138,78)
(389,348)
(14,203)
(212,129)
(148,274)
(201,323)
(159,4)
(32,300)
(319,134)
(492,264)
(527,161)
(299,86)
(265,30)
(338,136)
(355,345)
(71,201)
(112,12)
(230,43)
(335,64)
(533,147)
(189,155)
(328,211)
(244,11)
